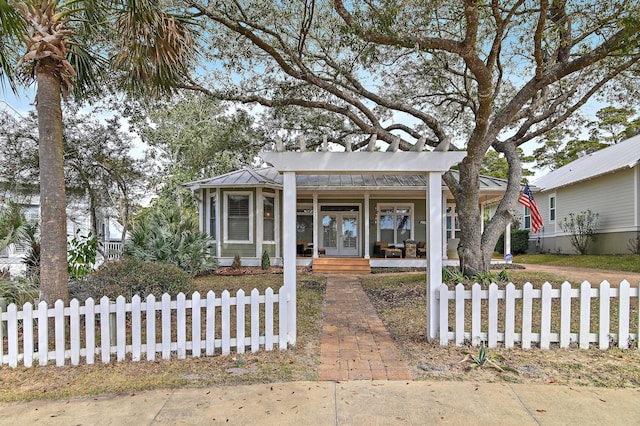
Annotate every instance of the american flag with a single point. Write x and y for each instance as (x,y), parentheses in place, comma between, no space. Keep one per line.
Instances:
(527,200)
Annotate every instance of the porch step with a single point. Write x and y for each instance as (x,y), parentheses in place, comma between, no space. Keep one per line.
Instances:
(341,265)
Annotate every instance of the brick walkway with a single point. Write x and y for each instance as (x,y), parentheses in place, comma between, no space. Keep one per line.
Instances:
(355,344)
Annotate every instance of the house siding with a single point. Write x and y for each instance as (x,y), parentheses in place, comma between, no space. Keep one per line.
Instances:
(613,197)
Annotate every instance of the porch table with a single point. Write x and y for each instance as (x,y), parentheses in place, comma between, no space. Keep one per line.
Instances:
(392,252)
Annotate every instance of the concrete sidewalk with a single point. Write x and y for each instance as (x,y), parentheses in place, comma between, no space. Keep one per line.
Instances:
(342,403)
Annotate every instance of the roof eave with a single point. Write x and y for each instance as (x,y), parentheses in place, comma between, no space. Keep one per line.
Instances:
(608,172)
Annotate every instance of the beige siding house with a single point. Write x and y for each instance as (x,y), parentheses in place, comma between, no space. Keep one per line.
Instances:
(606,182)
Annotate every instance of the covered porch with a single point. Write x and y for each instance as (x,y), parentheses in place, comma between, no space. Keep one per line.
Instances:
(429,164)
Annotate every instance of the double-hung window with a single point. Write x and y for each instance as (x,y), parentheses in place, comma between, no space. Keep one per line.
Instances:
(268,220)
(238,227)
(552,208)
(395,223)
(527,218)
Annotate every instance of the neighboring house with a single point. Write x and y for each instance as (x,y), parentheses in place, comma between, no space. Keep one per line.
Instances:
(606,182)
(78,220)
(242,212)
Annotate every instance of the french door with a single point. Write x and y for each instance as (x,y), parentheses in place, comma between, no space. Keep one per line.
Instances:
(340,233)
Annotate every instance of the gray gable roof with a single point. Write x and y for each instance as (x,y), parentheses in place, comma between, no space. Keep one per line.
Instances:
(625,154)
(269,177)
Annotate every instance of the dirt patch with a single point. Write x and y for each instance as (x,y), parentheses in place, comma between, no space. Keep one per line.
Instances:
(594,276)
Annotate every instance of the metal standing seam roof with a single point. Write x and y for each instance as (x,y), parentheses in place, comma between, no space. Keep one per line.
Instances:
(268,176)
(625,154)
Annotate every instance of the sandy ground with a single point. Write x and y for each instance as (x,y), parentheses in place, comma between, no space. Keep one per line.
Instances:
(594,276)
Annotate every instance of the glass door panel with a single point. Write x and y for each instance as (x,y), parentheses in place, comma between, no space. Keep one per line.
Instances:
(330,233)
(340,234)
(349,246)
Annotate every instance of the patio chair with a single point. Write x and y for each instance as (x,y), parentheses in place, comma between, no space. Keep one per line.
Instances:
(378,248)
(303,249)
(422,249)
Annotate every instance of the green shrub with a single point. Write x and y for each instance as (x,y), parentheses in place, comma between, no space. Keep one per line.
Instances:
(486,277)
(82,254)
(169,235)
(519,242)
(265,263)
(453,275)
(19,290)
(581,228)
(128,277)
(503,276)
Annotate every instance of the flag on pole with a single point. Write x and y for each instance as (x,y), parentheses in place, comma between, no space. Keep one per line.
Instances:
(527,200)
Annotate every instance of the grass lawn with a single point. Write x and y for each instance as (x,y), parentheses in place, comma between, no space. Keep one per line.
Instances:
(400,303)
(623,262)
(50,382)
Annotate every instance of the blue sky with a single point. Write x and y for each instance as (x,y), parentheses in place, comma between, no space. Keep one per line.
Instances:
(21,103)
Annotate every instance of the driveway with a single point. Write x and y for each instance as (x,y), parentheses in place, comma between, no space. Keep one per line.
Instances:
(594,276)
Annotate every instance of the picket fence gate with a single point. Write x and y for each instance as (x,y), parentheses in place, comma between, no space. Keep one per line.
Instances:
(132,328)
(488,304)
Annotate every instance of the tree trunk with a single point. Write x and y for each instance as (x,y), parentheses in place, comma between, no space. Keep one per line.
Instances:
(477,247)
(53,203)
(470,251)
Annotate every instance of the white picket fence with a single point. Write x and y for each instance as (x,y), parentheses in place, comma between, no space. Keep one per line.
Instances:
(493,315)
(194,326)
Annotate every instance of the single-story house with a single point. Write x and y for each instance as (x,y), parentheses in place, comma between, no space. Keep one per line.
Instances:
(344,207)
(607,182)
(338,215)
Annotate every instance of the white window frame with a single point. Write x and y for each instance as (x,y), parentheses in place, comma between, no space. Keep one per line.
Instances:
(395,207)
(455,223)
(212,212)
(553,209)
(226,217)
(274,218)
(526,214)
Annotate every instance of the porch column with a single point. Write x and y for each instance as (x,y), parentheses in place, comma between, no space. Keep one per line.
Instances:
(204,208)
(259,222)
(202,223)
(434,244)
(316,243)
(277,223)
(445,237)
(218,224)
(107,231)
(366,224)
(289,249)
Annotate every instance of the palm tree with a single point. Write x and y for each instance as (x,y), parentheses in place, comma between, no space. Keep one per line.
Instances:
(57,44)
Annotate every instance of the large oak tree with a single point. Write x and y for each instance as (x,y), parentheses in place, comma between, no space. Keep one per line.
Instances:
(459,74)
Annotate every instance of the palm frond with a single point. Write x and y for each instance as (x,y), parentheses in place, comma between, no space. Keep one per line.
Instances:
(157,48)
(89,67)
(12,29)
